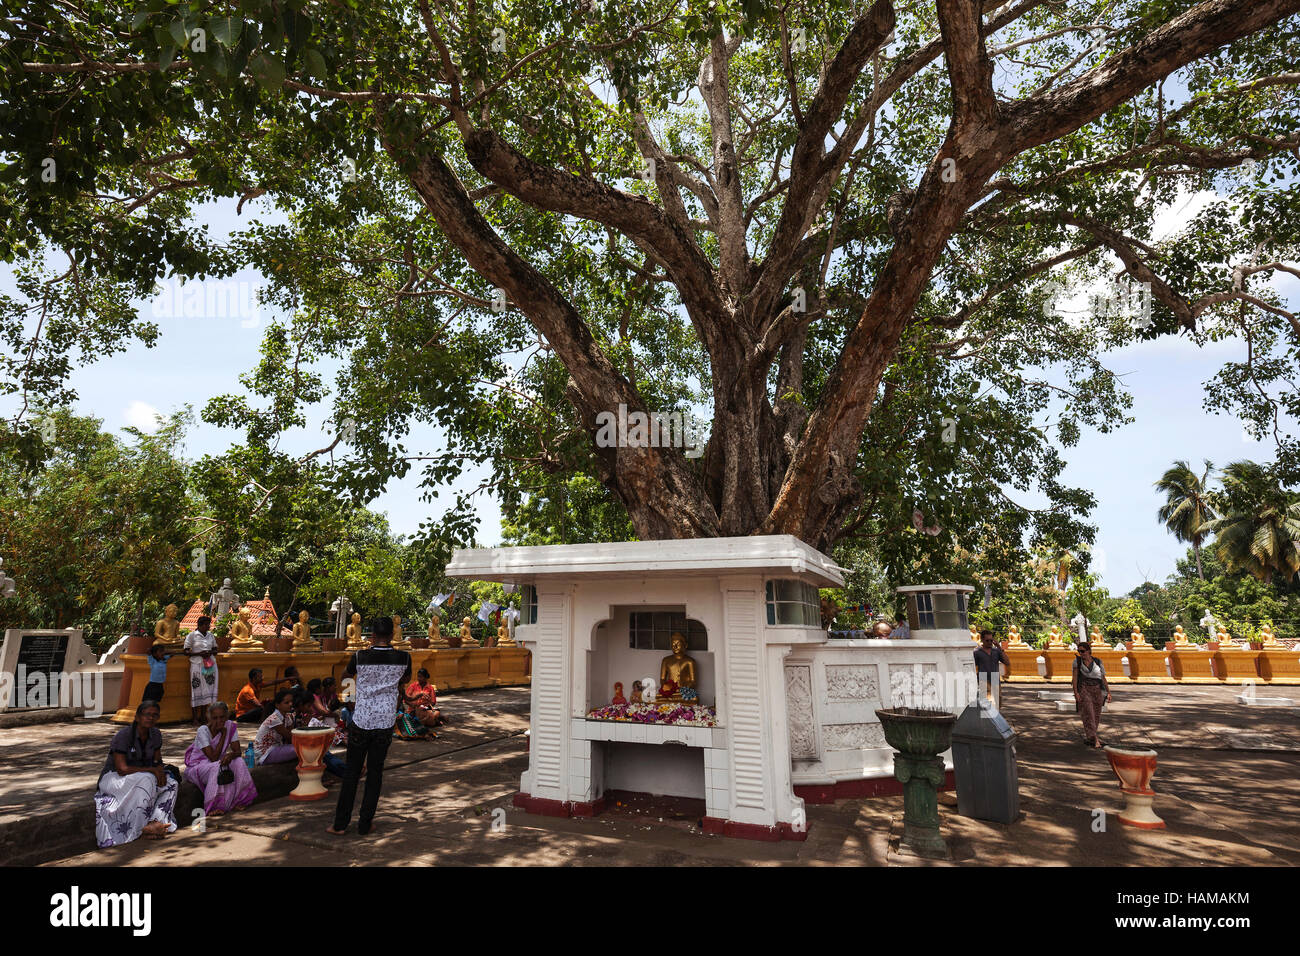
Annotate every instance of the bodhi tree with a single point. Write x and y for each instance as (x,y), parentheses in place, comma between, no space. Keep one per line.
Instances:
(838,227)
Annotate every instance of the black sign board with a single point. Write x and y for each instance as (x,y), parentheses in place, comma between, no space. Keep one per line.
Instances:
(43,653)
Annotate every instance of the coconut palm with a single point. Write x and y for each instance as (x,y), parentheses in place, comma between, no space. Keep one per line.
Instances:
(1187,510)
(1260,530)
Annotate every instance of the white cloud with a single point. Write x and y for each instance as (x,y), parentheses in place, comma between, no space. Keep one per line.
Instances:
(143,416)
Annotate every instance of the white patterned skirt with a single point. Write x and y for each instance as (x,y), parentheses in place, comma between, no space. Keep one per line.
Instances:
(123,805)
(203,684)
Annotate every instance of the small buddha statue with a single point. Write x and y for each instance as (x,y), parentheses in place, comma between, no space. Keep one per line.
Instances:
(302,640)
(466,637)
(1097,639)
(1013,637)
(1054,637)
(355,643)
(167,630)
(398,641)
(974,633)
(435,632)
(241,633)
(1139,639)
(503,637)
(619,700)
(1180,639)
(1226,643)
(1268,637)
(677,673)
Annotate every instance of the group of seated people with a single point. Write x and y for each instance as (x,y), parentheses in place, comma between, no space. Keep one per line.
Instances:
(137,792)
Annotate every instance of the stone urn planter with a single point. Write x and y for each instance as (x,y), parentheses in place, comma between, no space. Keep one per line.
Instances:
(333,643)
(224,642)
(277,645)
(1134,770)
(919,736)
(311,744)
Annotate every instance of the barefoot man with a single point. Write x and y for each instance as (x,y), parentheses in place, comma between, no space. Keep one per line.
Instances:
(380,671)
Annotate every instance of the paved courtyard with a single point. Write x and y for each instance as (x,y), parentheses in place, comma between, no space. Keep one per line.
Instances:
(1226,782)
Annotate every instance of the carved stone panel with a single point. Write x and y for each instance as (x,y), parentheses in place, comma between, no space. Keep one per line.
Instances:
(853,737)
(852,682)
(799,710)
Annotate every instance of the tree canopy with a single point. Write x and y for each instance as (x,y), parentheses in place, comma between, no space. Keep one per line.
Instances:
(835,232)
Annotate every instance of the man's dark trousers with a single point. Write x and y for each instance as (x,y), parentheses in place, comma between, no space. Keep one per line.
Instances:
(369,748)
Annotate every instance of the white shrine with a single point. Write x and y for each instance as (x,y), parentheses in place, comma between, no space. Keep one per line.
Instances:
(795,711)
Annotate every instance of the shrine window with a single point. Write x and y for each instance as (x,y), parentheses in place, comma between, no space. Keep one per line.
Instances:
(653,631)
(944,610)
(793,603)
(528,598)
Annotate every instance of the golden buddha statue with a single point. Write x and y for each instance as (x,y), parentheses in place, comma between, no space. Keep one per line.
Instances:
(1013,637)
(1268,637)
(1139,639)
(1096,638)
(974,633)
(677,674)
(467,638)
(302,640)
(355,643)
(1226,643)
(503,637)
(241,633)
(167,630)
(1180,639)
(398,640)
(1054,637)
(435,633)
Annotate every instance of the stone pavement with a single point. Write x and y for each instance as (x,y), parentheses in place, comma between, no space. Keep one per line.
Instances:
(1226,785)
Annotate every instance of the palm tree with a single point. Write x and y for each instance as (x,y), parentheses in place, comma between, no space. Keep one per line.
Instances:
(1260,531)
(1187,510)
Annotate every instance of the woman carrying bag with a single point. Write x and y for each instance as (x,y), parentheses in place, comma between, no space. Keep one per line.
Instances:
(1091,692)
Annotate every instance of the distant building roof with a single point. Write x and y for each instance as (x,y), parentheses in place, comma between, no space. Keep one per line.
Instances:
(261,615)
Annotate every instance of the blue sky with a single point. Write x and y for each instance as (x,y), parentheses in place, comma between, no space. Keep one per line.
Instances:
(201,355)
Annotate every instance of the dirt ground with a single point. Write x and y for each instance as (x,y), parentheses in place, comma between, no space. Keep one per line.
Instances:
(1226,783)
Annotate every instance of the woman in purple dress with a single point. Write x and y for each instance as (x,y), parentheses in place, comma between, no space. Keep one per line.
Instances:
(213,764)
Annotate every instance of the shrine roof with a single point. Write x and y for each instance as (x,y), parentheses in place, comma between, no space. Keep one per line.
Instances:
(767,554)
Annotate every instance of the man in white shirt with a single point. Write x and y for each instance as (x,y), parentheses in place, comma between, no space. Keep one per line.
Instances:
(381,672)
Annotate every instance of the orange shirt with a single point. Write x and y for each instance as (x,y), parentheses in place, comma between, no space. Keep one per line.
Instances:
(246,700)
(422,695)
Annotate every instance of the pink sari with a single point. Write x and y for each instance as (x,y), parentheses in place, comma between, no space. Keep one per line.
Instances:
(203,773)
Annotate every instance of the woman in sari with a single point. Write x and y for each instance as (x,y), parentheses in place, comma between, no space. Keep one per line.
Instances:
(135,796)
(213,764)
(201,646)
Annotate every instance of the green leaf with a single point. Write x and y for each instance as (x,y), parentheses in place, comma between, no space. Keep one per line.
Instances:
(166,54)
(177,30)
(226,30)
(138,20)
(268,70)
(314,63)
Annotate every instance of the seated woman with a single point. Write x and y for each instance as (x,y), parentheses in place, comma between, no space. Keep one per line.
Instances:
(318,702)
(135,796)
(213,764)
(422,698)
(274,740)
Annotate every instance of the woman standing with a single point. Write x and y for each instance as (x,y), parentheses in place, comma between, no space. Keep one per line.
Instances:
(135,795)
(201,646)
(1091,692)
(212,764)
